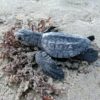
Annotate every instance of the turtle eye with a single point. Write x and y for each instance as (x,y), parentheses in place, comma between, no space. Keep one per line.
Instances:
(19,38)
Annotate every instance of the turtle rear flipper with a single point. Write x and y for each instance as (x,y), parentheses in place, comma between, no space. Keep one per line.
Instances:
(48,65)
(90,55)
(91,38)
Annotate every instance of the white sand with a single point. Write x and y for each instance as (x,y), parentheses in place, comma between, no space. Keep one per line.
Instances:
(73,16)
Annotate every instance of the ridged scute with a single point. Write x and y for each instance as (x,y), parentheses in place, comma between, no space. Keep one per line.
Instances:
(61,45)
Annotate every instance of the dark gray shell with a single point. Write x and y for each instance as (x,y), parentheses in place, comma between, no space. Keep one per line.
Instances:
(63,45)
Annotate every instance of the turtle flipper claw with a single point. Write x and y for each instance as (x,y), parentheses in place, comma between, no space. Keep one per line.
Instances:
(48,65)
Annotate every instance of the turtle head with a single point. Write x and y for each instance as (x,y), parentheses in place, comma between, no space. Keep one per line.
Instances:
(28,37)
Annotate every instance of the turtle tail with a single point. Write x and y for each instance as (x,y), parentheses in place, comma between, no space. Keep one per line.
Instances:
(91,38)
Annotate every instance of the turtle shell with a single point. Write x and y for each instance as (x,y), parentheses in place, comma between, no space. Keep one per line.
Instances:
(63,45)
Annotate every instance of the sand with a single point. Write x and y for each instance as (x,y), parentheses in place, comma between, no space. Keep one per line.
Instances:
(71,16)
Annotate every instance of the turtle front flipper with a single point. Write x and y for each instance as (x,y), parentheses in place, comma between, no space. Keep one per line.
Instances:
(90,55)
(49,66)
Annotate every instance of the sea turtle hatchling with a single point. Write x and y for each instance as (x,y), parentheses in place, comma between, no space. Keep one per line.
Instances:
(57,45)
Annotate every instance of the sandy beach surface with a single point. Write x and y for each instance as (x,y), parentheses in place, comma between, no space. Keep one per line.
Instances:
(71,16)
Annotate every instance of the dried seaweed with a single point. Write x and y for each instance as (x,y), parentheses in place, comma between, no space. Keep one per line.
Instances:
(21,64)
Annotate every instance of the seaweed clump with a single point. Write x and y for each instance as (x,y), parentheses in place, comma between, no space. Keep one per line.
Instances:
(21,65)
